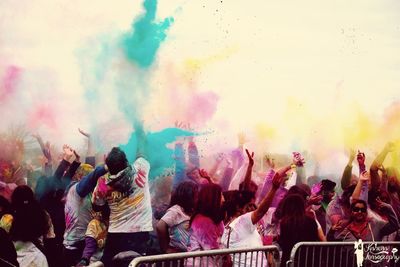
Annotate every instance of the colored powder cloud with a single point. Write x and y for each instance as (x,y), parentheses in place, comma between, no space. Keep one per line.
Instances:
(141,45)
(156,151)
(9,82)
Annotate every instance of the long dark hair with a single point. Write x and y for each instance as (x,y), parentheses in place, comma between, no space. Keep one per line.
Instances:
(30,220)
(185,196)
(301,191)
(293,211)
(209,203)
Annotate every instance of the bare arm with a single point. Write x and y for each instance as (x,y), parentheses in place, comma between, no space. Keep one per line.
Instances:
(265,204)
(163,235)
(346,176)
(247,177)
(90,151)
(362,181)
(377,163)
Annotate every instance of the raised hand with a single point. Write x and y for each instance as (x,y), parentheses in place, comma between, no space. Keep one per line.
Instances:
(68,152)
(77,156)
(352,155)
(86,134)
(360,158)
(316,188)
(270,161)
(298,159)
(203,173)
(242,139)
(251,157)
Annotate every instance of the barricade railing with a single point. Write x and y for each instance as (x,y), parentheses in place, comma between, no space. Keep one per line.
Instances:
(252,257)
(344,254)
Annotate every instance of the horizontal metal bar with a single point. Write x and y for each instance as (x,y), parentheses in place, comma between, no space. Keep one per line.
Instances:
(297,246)
(203,253)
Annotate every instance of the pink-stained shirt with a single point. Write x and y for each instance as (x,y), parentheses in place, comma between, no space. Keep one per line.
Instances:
(130,211)
(205,234)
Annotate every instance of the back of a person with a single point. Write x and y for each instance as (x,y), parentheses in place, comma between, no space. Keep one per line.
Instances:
(178,223)
(131,211)
(290,234)
(241,233)
(78,214)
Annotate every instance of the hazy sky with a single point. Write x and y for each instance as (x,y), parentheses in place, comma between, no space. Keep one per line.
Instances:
(293,74)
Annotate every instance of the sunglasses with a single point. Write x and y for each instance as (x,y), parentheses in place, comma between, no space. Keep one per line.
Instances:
(360,209)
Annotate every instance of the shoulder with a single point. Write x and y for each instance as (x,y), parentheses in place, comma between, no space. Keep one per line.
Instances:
(141,162)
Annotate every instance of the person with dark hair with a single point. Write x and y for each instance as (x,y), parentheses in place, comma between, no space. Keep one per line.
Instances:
(29,225)
(125,189)
(362,227)
(173,227)
(242,230)
(78,209)
(295,225)
(206,225)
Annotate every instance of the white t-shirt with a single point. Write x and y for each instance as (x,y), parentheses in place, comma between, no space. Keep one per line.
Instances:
(244,234)
(130,212)
(29,255)
(78,214)
(178,223)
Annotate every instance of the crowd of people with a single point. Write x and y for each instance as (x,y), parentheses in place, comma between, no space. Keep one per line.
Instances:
(105,214)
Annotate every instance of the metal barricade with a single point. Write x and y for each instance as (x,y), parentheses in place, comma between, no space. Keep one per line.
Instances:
(345,254)
(240,257)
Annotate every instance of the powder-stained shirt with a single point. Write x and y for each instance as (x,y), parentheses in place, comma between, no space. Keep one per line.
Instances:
(29,255)
(130,210)
(242,233)
(78,214)
(178,223)
(98,231)
(204,235)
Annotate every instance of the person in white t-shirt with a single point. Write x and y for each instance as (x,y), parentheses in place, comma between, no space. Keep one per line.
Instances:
(173,227)
(241,231)
(126,191)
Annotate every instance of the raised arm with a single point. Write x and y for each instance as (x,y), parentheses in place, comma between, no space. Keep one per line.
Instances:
(68,152)
(346,176)
(90,156)
(393,222)
(217,163)
(265,204)
(247,177)
(48,166)
(362,184)
(141,140)
(377,163)
(74,166)
(180,166)
(88,182)
(299,161)
(193,153)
